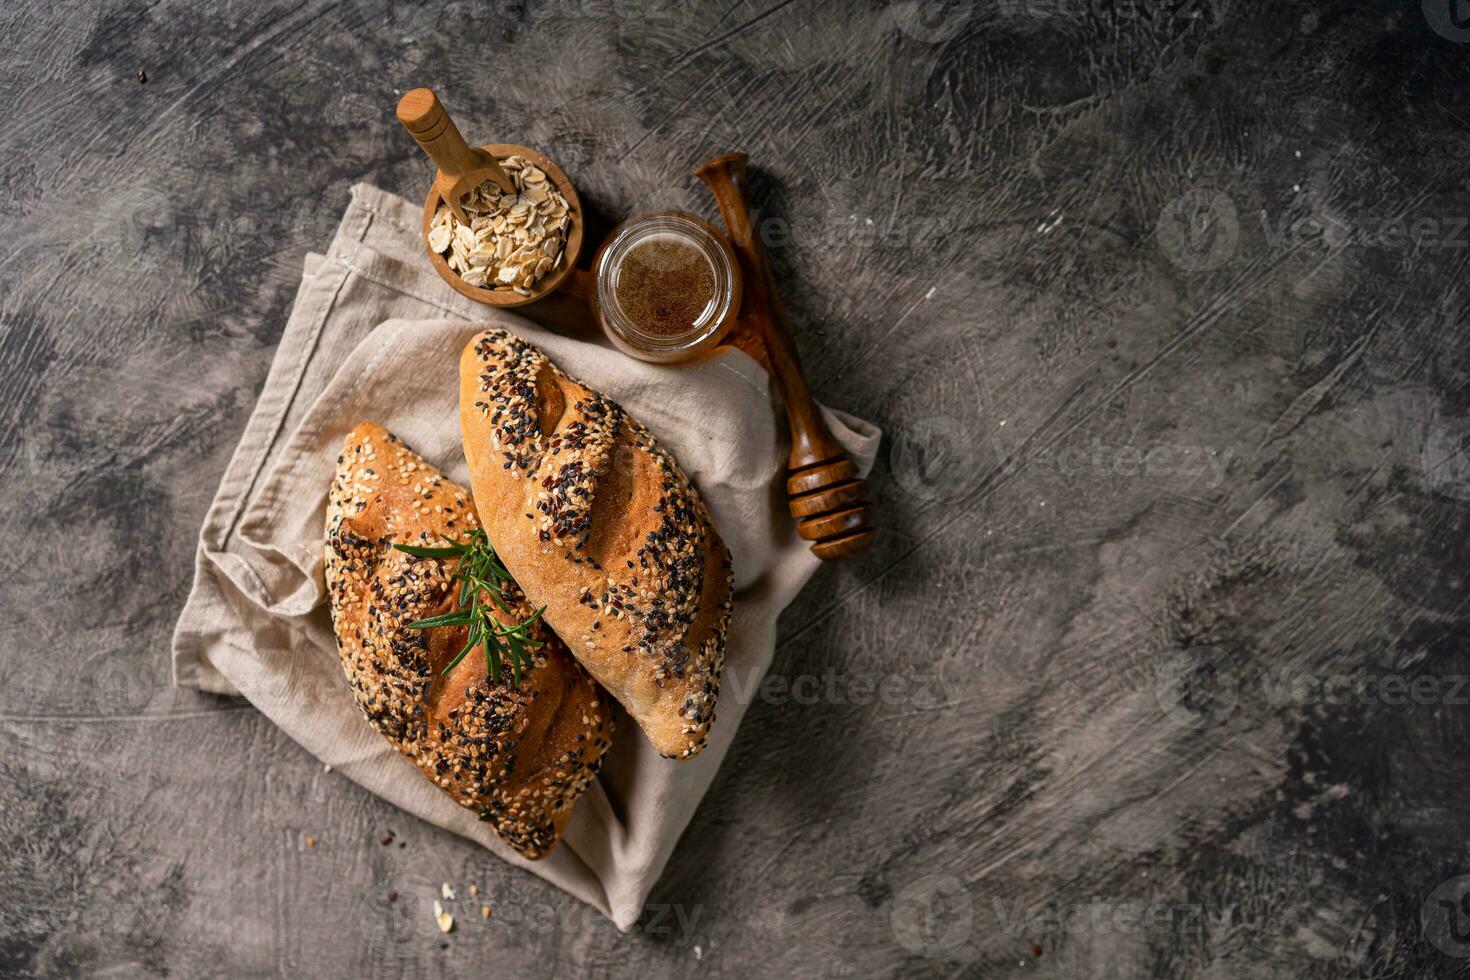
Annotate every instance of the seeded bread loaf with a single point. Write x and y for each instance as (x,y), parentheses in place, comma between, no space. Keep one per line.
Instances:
(520,755)
(598,524)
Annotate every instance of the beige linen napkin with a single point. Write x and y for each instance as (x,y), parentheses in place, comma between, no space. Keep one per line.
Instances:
(375,335)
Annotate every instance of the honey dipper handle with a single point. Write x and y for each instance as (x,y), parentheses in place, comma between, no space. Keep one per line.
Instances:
(826,497)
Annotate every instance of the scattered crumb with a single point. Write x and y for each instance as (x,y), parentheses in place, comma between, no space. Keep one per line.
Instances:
(484,911)
(386,840)
(142,77)
(930,293)
(447,892)
(326,767)
(311,842)
(446,921)
(699,952)
(392,896)
(474,889)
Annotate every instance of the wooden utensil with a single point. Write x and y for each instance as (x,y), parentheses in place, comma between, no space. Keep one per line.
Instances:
(825,494)
(462,168)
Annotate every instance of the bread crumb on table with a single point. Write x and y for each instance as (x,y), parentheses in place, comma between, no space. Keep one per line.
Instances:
(445,920)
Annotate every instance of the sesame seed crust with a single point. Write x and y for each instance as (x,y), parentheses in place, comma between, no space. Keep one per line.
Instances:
(517,755)
(600,525)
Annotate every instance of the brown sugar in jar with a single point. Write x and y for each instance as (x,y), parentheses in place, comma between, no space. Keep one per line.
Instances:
(668,286)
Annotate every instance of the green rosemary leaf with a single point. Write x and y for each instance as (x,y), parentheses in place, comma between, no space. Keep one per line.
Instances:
(419,551)
(481,573)
(460,617)
(515,656)
(517,653)
(492,658)
(510,630)
(459,656)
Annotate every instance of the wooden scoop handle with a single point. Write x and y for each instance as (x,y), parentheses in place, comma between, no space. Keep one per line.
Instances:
(461,166)
(827,499)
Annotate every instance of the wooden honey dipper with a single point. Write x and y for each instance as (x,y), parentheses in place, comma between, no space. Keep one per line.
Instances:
(827,498)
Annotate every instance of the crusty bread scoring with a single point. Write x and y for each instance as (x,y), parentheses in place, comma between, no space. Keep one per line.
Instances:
(598,523)
(520,755)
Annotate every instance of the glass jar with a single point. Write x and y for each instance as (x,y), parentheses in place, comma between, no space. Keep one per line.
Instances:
(667,286)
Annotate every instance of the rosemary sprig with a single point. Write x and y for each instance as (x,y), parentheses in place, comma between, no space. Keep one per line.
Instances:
(481,576)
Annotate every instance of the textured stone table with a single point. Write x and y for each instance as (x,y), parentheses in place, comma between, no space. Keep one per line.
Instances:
(1158,669)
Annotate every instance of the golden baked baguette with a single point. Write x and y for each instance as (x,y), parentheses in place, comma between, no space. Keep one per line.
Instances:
(599,525)
(519,754)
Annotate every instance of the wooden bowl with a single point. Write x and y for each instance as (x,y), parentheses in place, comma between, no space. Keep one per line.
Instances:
(549,283)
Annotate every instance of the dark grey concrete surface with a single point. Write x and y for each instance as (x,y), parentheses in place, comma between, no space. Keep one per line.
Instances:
(1162,304)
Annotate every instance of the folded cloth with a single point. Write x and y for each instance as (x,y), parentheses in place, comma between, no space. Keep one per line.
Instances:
(375,335)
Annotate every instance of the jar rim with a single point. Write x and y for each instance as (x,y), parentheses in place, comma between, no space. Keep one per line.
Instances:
(687,228)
